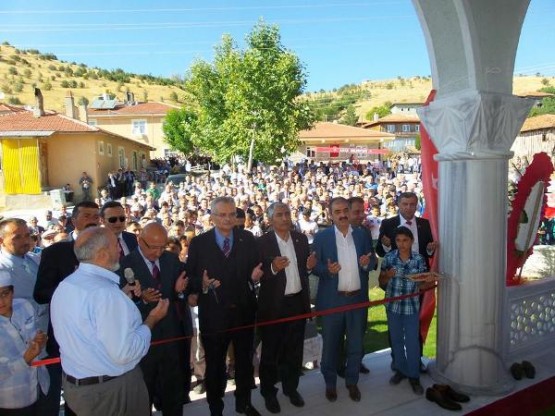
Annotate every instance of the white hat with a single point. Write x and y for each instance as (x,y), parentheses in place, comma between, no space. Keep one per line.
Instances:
(5,278)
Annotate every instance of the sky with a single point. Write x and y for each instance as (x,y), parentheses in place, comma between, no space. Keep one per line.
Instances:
(338,41)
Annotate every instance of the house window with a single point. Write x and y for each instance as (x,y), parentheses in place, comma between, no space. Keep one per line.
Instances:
(101,148)
(121,157)
(417,128)
(134,161)
(109,151)
(93,122)
(310,152)
(138,127)
(406,128)
(391,128)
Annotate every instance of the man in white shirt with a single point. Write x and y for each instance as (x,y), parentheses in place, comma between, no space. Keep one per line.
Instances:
(101,334)
(284,292)
(344,257)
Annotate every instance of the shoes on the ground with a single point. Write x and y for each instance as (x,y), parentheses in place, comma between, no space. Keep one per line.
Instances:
(416,386)
(248,410)
(272,404)
(436,396)
(517,371)
(331,394)
(341,372)
(200,388)
(396,378)
(295,398)
(529,369)
(364,369)
(449,392)
(354,392)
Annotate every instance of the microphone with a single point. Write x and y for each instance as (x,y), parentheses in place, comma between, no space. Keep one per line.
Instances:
(129,276)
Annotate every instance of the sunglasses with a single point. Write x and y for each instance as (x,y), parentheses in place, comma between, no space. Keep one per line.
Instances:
(112,220)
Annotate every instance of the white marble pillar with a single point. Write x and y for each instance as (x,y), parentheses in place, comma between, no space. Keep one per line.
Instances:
(473,132)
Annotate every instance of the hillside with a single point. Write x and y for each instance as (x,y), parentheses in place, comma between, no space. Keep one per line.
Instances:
(21,71)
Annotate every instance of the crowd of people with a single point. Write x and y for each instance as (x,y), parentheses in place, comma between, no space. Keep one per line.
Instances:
(183,266)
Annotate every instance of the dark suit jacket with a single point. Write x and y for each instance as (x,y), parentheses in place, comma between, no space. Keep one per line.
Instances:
(236,292)
(57,262)
(389,226)
(130,240)
(326,248)
(272,287)
(178,320)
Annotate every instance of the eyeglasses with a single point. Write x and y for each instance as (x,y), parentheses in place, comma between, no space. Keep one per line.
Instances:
(159,248)
(112,220)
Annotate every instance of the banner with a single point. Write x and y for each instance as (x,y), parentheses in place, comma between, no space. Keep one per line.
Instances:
(430,179)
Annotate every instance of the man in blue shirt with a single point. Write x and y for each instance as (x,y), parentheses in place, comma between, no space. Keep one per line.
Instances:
(100,332)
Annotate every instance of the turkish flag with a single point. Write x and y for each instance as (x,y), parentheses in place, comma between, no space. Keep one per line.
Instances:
(429,183)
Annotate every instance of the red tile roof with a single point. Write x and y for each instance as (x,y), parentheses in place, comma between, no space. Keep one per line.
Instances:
(327,130)
(51,121)
(544,121)
(394,118)
(6,108)
(24,123)
(152,108)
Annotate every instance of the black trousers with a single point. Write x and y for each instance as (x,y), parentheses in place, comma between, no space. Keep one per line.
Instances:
(282,350)
(215,350)
(163,375)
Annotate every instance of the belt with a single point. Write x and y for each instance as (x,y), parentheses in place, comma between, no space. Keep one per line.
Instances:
(291,295)
(348,294)
(87,381)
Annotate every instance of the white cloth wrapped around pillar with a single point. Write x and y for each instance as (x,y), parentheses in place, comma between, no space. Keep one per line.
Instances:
(473,132)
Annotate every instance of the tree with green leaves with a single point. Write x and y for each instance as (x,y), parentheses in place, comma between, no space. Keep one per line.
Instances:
(248,99)
(181,129)
(381,111)
(350,118)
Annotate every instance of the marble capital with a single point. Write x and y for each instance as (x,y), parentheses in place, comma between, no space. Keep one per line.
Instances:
(474,124)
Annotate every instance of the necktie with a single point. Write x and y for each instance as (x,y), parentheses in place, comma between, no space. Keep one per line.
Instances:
(155,271)
(121,251)
(409,223)
(226,247)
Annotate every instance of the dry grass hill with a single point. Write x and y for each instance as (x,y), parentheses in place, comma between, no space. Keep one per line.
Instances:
(21,71)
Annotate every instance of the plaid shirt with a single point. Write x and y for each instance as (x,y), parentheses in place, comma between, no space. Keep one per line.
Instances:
(19,382)
(399,285)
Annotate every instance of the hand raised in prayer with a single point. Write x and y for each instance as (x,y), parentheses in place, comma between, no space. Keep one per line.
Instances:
(279,263)
(333,268)
(257,272)
(311,261)
(151,295)
(181,283)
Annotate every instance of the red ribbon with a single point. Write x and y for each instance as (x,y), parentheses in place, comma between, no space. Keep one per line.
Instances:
(309,315)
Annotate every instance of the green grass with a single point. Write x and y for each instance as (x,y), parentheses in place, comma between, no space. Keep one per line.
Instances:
(376,334)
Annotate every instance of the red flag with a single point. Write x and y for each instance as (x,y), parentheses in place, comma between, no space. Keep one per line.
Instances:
(429,183)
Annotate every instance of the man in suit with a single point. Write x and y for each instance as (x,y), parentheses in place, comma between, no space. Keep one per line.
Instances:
(57,262)
(112,216)
(284,292)
(223,265)
(162,275)
(344,257)
(423,242)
